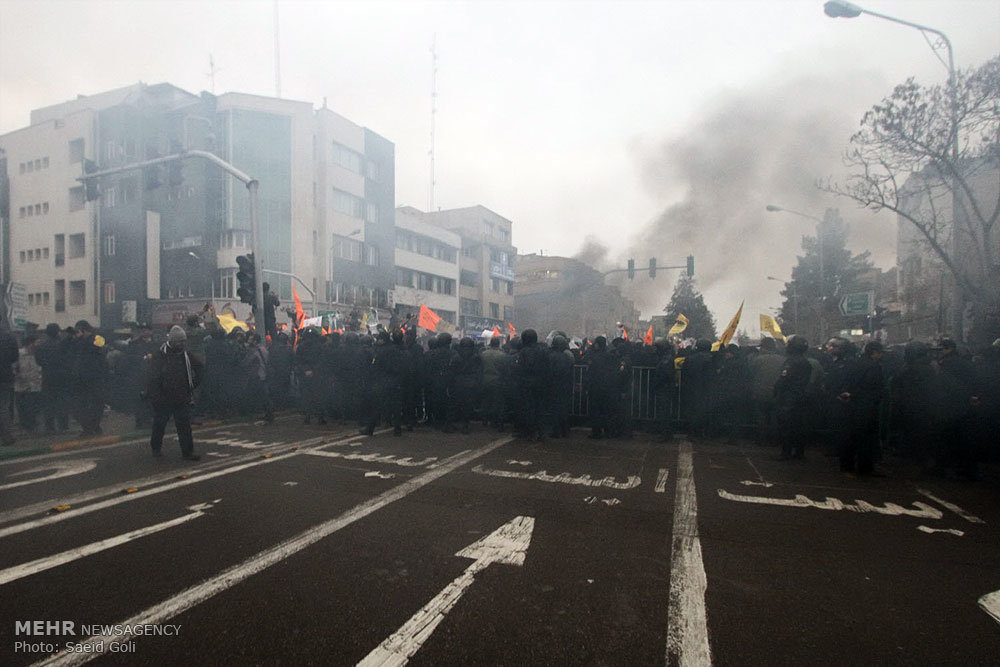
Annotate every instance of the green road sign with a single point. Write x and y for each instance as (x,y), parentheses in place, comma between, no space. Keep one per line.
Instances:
(857,303)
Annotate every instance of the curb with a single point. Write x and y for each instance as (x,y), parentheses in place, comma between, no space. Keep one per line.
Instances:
(66,445)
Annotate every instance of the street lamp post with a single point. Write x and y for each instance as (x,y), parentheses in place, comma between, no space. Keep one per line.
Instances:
(795,302)
(821,241)
(849,10)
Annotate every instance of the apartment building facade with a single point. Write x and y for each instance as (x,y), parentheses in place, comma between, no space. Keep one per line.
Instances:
(427,267)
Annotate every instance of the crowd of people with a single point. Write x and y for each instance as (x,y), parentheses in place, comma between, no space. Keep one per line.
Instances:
(934,403)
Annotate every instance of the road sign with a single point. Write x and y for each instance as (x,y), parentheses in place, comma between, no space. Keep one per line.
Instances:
(857,303)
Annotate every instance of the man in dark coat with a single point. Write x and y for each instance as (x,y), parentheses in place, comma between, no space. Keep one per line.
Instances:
(467,369)
(531,373)
(791,402)
(173,375)
(697,381)
(960,399)
(57,374)
(8,357)
(602,387)
(560,396)
(90,378)
(442,382)
(309,366)
(384,391)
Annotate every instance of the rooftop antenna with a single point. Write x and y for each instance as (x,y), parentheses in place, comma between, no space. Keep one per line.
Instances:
(430,205)
(212,71)
(277,54)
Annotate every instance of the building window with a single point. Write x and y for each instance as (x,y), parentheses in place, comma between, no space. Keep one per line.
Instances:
(76,151)
(20,168)
(371,213)
(77,199)
(22,212)
(227,284)
(109,246)
(77,246)
(470,307)
(109,291)
(110,197)
(469,278)
(495,285)
(22,257)
(347,158)
(45,253)
(45,207)
(31,211)
(45,298)
(504,235)
(487,229)
(31,299)
(45,163)
(38,209)
(31,166)
(374,171)
(60,296)
(510,287)
(508,313)
(60,249)
(495,311)
(371,255)
(348,204)
(77,292)
(345,248)
(404,277)
(38,164)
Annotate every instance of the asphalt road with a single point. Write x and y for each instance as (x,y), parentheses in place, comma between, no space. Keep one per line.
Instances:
(292,544)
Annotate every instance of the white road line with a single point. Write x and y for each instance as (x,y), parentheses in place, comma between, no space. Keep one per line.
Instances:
(375,457)
(954,508)
(62,469)
(991,604)
(928,529)
(631,481)
(763,482)
(661,480)
(41,564)
(230,577)
(86,509)
(508,544)
(687,625)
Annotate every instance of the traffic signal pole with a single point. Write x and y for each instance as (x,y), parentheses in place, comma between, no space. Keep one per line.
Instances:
(252,186)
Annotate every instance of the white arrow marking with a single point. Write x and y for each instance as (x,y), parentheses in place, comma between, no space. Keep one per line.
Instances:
(513,462)
(290,483)
(62,469)
(991,604)
(927,529)
(954,508)
(750,482)
(380,475)
(661,481)
(49,562)
(506,545)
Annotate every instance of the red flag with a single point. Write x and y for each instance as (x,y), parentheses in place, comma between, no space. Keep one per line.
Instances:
(624,332)
(648,338)
(428,318)
(513,331)
(299,315)
(496,330)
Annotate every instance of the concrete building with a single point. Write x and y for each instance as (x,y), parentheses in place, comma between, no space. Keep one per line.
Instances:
(486,266)
(562,293)
(158,244)
(427,261)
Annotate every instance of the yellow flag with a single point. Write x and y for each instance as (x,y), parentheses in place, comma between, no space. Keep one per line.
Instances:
(679,326)
(229,322)
(770,326)
(727,335)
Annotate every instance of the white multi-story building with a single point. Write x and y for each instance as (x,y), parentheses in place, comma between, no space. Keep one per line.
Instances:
(427,267)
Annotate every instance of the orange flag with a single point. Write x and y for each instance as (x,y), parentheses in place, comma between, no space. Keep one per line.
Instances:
(624,333)
(299,315)
(648,338)
(496,330)
(513,331)
(428,318)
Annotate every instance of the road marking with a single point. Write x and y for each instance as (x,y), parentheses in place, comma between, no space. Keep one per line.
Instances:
(750,482)
(514,462)
(610,502)
(290,483)
(960,533)
(763,482)
(991,604)
(687,626)
(228,578)
(202,476)
(41,564)
(923,511)
(380,475)
(661,481)
(506,545)
(954,508)
(631,482)
(219,454)
(407,462)
(62,469)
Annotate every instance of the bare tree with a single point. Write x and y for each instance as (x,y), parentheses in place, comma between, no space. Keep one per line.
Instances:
(905,158)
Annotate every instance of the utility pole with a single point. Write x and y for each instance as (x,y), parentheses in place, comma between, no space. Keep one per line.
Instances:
(434,70)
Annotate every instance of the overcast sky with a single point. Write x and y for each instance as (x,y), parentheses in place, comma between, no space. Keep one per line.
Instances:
(653,128)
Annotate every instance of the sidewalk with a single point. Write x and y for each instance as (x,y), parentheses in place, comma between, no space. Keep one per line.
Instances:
(117,427)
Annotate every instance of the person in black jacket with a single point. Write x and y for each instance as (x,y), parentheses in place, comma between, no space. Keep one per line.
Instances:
(560,396)
(384,391)
(90,378)
(791,402)
(467,369)
(54,358)
(173,375)
(8,357)
(602,383)
(531,373)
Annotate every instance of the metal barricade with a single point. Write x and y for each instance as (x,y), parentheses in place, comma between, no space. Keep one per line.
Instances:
(641,393)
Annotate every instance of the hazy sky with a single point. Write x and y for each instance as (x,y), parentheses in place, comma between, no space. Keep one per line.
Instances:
(655,128)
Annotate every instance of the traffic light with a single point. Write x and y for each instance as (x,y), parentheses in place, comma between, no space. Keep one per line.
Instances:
(690,266)
(247,289)
(631,269)
(652,267)
(91,191)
